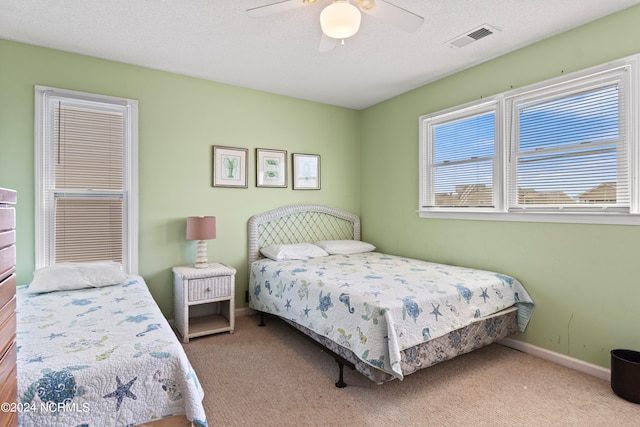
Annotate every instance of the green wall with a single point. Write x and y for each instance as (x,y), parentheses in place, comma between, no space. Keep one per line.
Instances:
(583,278)
(180,119)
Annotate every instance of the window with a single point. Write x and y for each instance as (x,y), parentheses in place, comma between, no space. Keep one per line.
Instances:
(569,147)
(461,159)
(570,152)
(86,178)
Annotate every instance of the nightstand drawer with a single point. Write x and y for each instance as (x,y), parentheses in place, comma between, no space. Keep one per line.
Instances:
(211,287)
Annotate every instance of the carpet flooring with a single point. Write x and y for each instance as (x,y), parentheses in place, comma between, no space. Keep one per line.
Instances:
(272,376)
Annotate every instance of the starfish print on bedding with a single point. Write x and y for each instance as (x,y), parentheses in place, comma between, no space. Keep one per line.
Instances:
(436,311)
(484,295)
(122,391)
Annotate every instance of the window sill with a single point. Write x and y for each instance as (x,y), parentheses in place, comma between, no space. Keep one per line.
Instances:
(575,218)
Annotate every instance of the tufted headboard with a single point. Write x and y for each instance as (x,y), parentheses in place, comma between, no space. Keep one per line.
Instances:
(298,224)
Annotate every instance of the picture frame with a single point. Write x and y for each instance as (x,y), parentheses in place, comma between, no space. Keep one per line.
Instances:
(306,171)
(271,168)
(230,166)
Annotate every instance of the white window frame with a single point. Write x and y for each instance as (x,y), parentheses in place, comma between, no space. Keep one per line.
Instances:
(427,168)
(44,214)
(501,212)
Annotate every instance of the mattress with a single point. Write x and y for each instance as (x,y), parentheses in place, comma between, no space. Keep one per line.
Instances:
(101,356)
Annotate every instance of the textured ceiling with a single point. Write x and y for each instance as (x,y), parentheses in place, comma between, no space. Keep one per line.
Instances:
(216,40)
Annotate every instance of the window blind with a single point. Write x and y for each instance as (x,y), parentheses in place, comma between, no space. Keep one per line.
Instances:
(570,150)
(462,162)
(88,229)
(86,180)
(89,148)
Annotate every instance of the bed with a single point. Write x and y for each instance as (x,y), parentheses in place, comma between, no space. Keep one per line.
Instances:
(385,316)
(102,356)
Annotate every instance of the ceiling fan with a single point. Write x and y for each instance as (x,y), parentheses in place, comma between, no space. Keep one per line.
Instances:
(341,19)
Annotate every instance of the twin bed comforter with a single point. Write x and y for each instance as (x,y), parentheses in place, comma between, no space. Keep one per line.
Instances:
(101,356)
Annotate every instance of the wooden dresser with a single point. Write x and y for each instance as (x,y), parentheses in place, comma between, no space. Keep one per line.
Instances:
(8,370)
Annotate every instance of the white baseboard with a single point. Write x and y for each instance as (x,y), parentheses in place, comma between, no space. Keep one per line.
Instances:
(560,359)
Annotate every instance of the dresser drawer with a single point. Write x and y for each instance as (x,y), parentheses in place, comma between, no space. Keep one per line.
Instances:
(7,260)
(7,290)
(7,310)
(8,368)
(8,196)
(211,287)
(7,218)
(9,393)
(7,329)
(7,238)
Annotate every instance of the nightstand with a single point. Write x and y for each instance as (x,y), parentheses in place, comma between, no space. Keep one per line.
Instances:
(203,300)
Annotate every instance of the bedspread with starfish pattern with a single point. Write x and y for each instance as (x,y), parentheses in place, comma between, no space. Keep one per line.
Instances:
(377,305)
(101,356)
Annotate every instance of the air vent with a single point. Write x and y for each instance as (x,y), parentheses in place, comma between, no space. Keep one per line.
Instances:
(472,36)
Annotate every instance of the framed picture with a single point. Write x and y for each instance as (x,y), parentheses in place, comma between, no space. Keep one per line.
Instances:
(306,171)
(271,168)
(229,166)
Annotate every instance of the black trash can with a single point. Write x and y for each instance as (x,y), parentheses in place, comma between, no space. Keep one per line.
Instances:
(625,374)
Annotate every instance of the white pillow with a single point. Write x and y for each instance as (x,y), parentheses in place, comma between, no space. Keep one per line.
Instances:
(345,247)
(293,251)
(76,275)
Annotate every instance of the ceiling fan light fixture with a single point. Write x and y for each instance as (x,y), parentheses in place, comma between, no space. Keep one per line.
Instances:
(340,20)
(366,4)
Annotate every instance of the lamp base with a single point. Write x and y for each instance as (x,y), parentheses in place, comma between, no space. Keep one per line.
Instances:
(201,265)
(201,259)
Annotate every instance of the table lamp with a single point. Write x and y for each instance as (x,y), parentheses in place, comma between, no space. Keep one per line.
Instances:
(201,228)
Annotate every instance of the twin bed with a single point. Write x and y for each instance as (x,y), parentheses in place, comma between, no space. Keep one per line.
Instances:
(102,356)
(384,315)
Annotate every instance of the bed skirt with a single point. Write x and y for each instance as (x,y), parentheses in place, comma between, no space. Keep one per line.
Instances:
(471,337)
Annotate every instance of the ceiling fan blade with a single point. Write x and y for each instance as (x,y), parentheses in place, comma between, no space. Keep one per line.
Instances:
(395,15)
(272,9)
(327,43)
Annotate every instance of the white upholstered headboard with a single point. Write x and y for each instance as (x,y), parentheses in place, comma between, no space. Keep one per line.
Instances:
(298,224)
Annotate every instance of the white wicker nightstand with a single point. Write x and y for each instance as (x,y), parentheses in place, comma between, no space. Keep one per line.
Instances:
(203,300)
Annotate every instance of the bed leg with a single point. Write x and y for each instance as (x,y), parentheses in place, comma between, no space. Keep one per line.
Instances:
(262,320)
(341,383)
